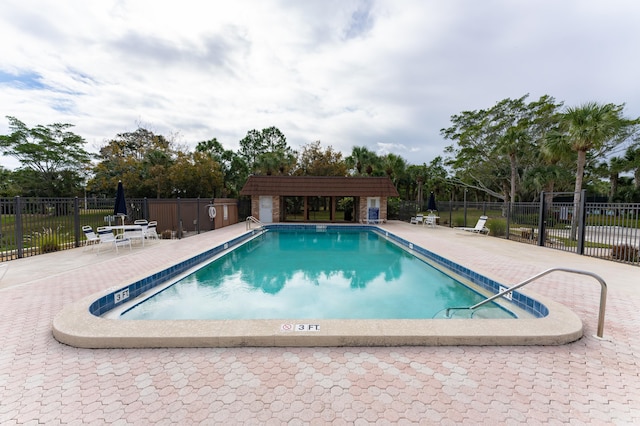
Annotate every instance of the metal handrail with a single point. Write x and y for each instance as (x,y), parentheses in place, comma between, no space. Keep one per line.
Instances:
(251,219)
(603,293)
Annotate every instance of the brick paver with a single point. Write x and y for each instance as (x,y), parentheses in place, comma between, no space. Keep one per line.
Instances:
(591,381)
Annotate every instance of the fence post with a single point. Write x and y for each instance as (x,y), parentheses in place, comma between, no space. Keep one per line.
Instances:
(198,215)
(17,207)
(179,219)
(541,221)
(213,221)
(465,207)
(582,222)
(145,209)
(509,208)
(76,220)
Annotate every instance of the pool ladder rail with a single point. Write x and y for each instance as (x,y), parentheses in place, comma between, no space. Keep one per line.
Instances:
(251,219)
(603,294)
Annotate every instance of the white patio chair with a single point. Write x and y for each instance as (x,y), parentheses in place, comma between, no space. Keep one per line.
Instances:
(417,220)
(151,232)
(430,220)
(135,234)
(91,238)
(107,237)
(143,223)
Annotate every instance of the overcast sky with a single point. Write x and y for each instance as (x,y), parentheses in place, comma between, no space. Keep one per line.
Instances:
(382,74)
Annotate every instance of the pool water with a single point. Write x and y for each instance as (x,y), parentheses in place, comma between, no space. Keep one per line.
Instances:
(311,275)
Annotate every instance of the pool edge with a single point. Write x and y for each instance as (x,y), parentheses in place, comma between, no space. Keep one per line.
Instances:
(76,326)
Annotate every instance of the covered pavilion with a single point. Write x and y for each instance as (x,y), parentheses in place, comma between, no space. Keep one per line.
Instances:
(298,198)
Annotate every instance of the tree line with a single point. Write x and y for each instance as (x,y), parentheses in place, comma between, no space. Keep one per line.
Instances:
(518,148)
(511,151)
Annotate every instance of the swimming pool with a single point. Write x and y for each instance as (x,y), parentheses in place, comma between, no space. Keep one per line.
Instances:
(312,274)
(84,324)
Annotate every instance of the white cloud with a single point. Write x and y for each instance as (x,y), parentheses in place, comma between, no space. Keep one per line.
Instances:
(382,74)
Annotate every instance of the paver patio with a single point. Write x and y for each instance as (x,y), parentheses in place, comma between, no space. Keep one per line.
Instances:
(591,381)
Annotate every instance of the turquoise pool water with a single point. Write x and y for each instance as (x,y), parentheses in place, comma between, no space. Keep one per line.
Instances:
(305,275)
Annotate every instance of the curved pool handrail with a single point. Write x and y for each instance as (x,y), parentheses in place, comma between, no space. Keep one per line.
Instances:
(251,219)
(603,293)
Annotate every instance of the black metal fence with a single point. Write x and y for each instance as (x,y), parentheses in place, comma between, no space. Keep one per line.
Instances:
(604,230)
(31,226)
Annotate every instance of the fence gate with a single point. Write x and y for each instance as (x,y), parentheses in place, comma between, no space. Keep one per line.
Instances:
(561,221)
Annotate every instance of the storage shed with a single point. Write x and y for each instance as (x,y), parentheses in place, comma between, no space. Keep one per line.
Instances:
(319,198)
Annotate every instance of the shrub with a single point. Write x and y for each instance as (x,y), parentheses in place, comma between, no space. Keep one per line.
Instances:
(49,244)
(47,241)
(625,252)
(498,228)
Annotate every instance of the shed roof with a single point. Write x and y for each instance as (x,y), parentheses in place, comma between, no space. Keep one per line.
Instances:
(328,186)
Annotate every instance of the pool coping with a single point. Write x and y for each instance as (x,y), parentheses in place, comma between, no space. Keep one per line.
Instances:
(75,325)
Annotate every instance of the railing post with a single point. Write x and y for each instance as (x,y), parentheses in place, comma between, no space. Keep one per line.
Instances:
(582,222)
(541,221)
(17,208)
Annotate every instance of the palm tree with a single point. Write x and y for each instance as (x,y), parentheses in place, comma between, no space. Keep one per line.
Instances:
(611,171)
(632,157)
(394,167)
(590,128)
(361,160)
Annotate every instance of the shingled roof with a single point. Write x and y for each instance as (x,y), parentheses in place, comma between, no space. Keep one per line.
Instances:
(322,186)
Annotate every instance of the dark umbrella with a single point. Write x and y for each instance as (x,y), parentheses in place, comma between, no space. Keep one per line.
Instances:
(431,204)
(120,208)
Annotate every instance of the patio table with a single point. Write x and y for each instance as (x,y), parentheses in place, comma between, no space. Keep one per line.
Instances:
(135,232)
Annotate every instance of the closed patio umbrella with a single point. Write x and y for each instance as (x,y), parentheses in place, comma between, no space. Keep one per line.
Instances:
(120,208)
(431,204)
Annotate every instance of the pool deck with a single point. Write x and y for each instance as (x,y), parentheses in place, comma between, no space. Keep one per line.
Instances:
(590,381)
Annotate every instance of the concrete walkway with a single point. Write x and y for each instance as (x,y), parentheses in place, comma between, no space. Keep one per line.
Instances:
(591,381)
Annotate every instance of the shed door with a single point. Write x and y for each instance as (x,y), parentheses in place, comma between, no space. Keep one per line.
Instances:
(373,209)
(266,209)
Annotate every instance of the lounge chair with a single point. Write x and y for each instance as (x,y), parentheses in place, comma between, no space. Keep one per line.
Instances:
(91,238)
(107,237)
(151,231)
(480,227)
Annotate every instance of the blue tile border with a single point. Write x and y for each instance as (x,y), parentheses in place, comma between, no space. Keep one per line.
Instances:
(107,302)
(522,301)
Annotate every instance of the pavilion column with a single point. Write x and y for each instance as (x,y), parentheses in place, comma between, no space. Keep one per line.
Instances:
(332,216)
